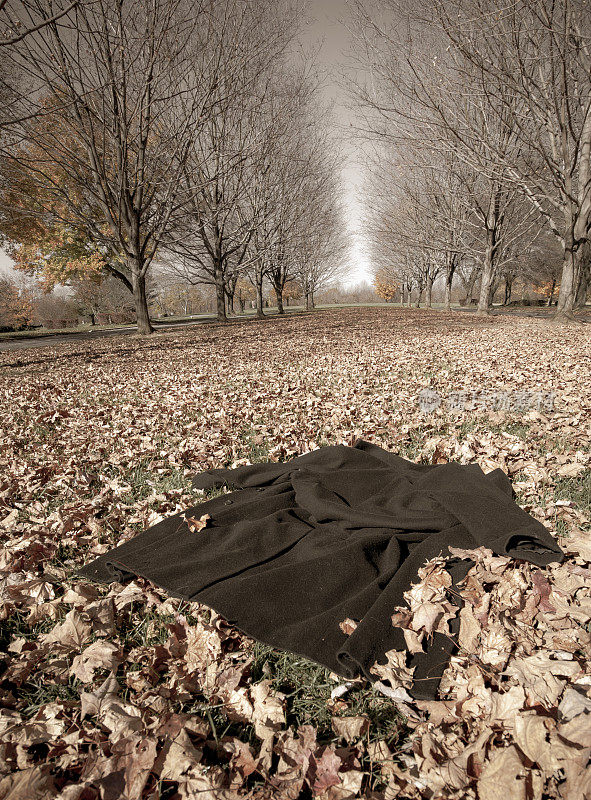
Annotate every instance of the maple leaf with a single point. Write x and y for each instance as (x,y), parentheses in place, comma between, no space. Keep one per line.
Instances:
(324,771)
(196,525)
(268,713)
(73,632)
(98,655)
(395,670)
(33,783)
(350,728)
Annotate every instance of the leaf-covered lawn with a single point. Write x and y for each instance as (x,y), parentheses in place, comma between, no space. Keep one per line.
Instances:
(121,692)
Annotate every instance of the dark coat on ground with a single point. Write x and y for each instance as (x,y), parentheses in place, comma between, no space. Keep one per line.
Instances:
(337,533)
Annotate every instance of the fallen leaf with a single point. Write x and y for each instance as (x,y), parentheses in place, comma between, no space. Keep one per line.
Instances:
(98,655)
(196,525)
(350,728)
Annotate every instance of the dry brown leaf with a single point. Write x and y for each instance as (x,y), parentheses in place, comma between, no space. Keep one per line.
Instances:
(180,758)
(72,632)
(530,732)
(196,525)
(573,703)
(34,783)
(98,655)
(503,776)
(350,728)
(348,626)
(395,670)
(268,714)
(325,770)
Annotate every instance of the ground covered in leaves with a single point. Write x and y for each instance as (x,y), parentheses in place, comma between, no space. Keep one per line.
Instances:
(121,692)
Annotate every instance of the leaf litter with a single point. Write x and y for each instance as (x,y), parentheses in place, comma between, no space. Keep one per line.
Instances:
(124,692)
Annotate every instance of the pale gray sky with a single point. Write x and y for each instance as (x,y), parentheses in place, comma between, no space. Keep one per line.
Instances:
(328,32)
(5,262)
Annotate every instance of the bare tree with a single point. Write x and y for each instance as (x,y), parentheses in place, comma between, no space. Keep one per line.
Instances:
(295,197)
(117,93)
(321,257)
(426,96)
(21,19)
(421,101)
(212,242)
(534,62)
(417,203)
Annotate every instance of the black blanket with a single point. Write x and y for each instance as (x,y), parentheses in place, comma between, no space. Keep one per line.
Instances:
(337,533)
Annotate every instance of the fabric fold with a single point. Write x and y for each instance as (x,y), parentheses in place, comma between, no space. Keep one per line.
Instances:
(297,547)
(490,516)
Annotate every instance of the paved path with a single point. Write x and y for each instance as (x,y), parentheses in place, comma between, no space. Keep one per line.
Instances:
(60,338)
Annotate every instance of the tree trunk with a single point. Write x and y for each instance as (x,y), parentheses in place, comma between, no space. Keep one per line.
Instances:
(447,297)
(488,274)
(484,301)
(469,285)
(308,302)
(220,293)
(508,288)
(551,297)
(585,276)
(429,293)
(144,326)
(493,289)
(569,282)
(260,312)
(312,303)
(576,269)
(418,300)
(487,287)
(279,293)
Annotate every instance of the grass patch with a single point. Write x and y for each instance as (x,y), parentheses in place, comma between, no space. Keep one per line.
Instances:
(576,489)
(17,626)
(37,692)
(40,333)
(147,628)
(253,446)
(307,687)
(64,556)
(145,482)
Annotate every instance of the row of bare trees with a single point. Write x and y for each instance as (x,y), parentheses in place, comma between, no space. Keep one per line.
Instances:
(480,112)
(137,133)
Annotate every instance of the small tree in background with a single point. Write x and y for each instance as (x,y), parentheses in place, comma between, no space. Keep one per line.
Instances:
(16,306)
(548,291)
(385,286)
(243,292)
(103,296)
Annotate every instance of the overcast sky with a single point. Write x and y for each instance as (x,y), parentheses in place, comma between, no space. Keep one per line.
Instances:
(328,32)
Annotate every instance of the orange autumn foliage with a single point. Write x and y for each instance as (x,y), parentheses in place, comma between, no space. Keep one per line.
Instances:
(16,307)
(545,289)
(385,286)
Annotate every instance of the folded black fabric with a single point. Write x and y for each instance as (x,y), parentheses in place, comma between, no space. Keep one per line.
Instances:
(337,533)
